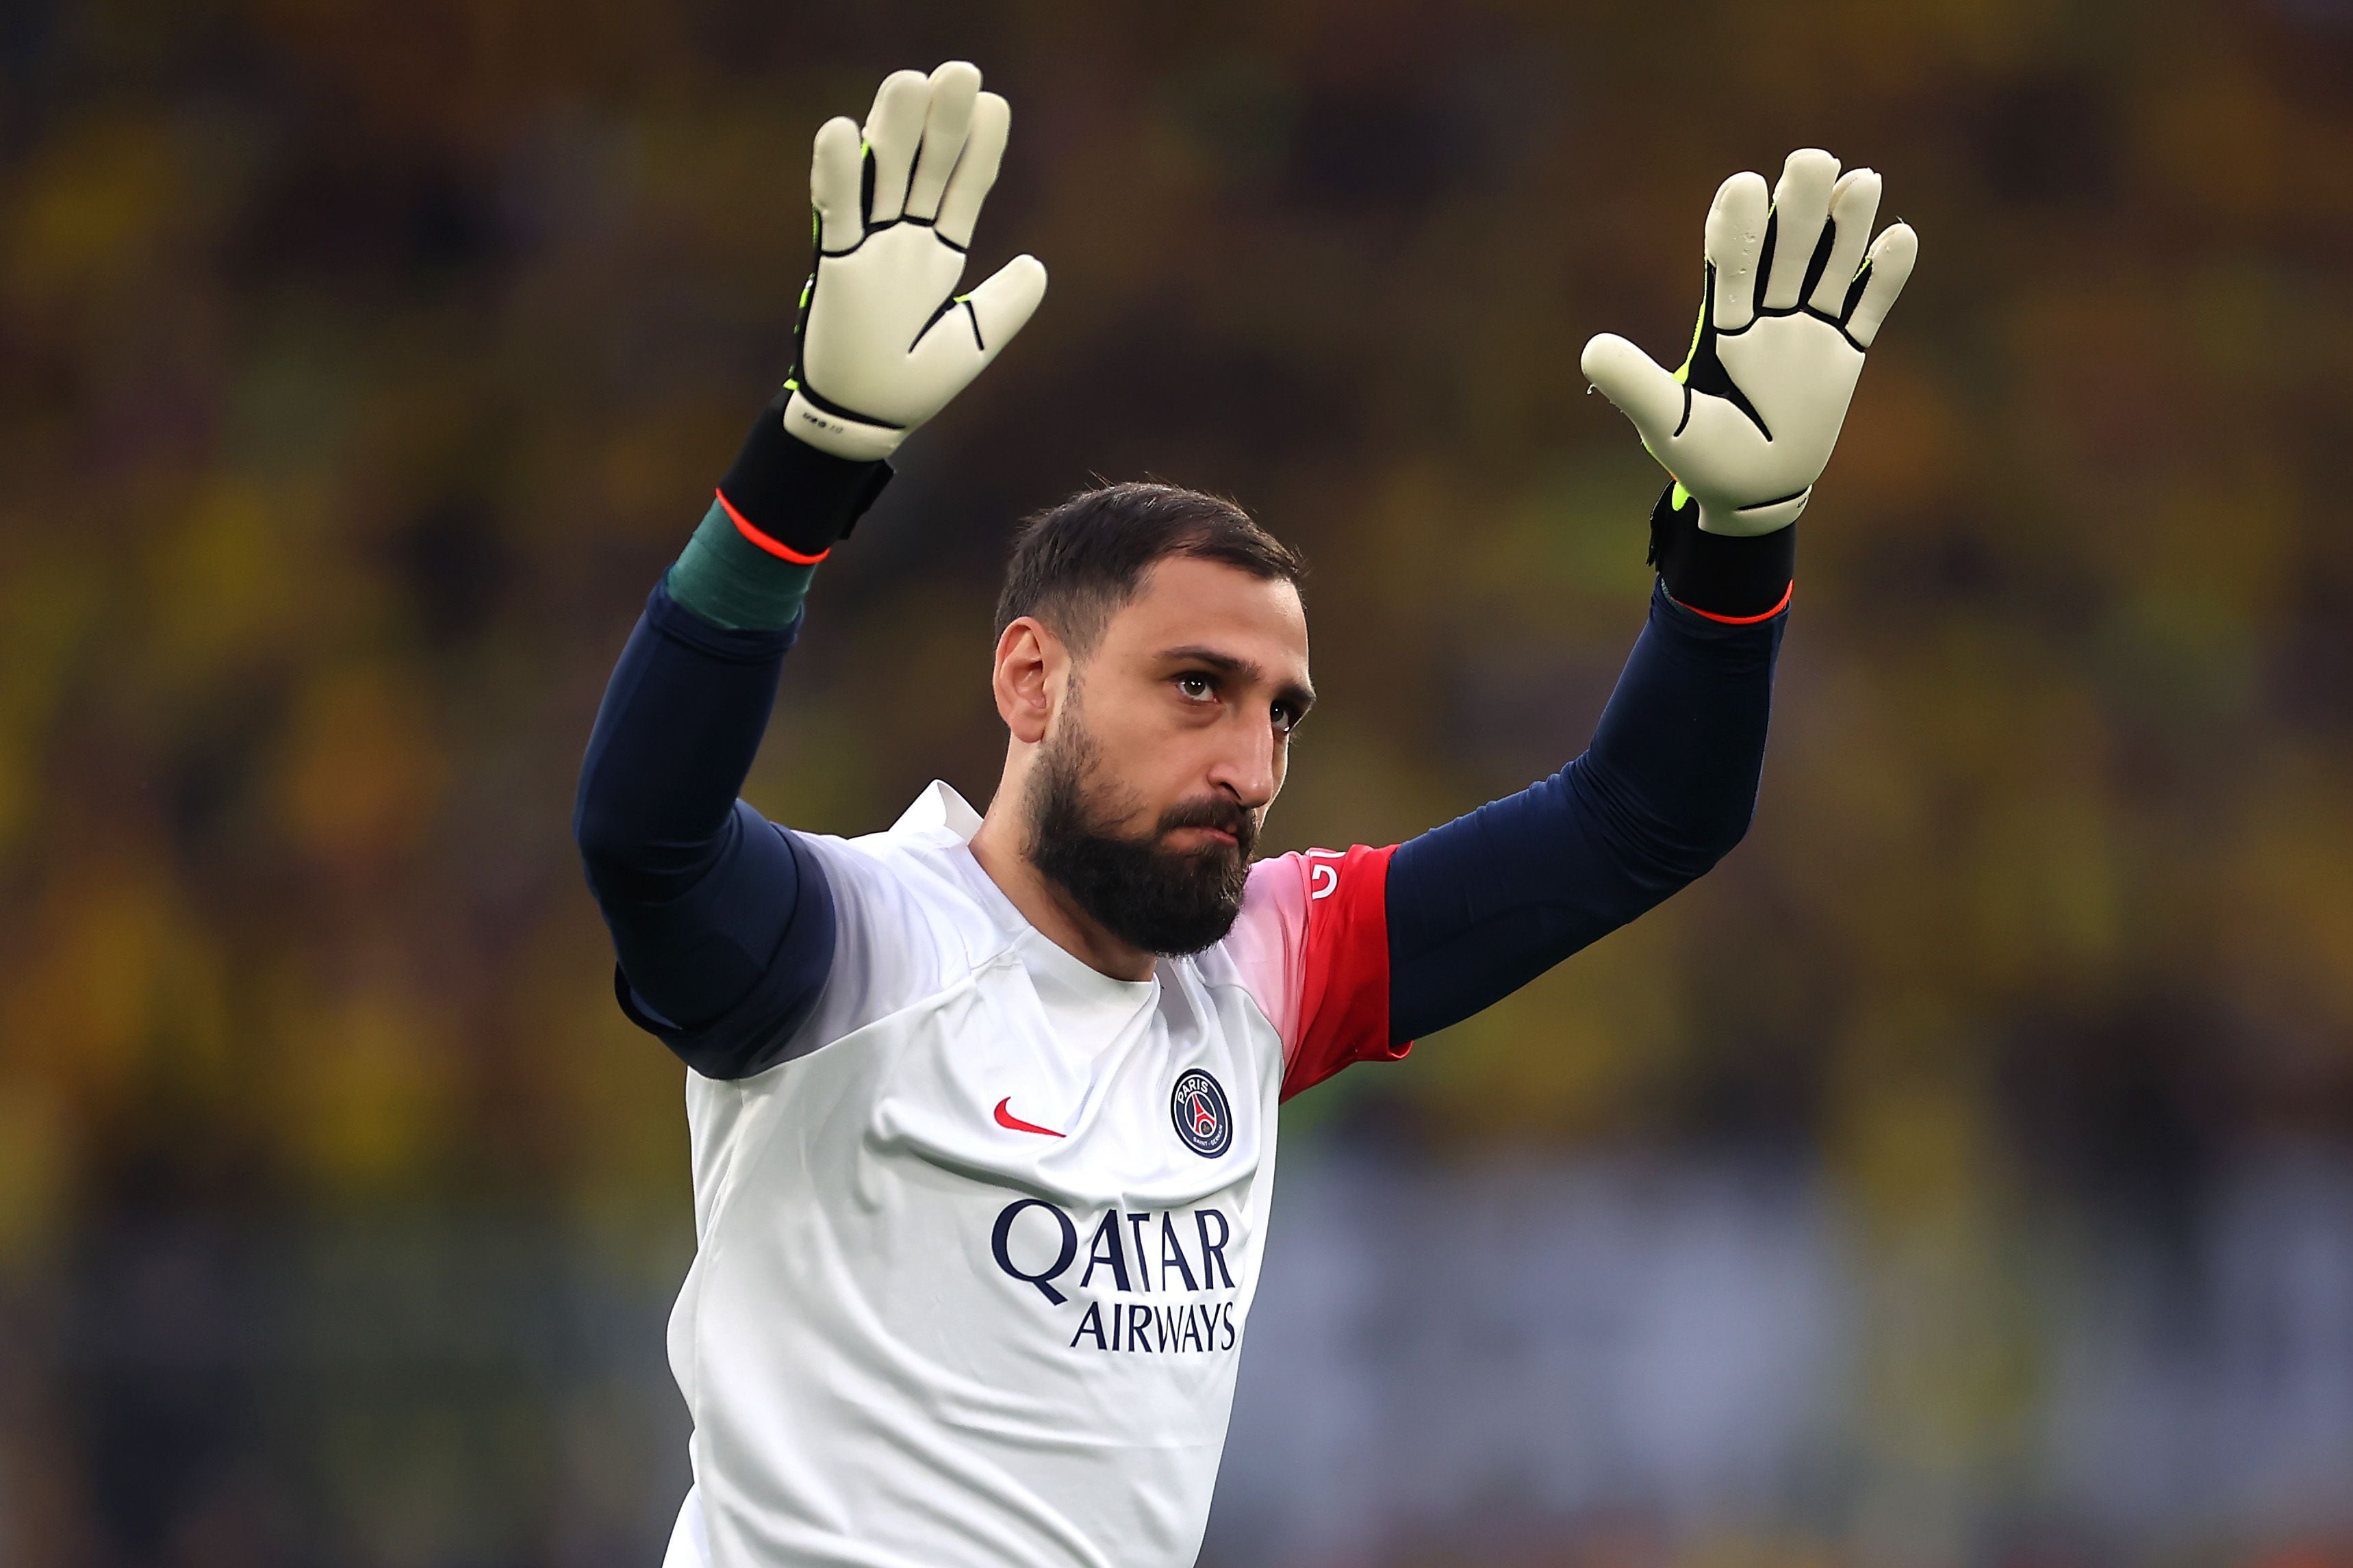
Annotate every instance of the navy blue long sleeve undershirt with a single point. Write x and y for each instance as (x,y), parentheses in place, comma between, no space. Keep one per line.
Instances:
(1482,906)
(724,926)
(722,919)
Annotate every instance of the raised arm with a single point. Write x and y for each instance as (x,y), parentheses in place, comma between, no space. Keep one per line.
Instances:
(1482,906)
(723,922)
(1790,302)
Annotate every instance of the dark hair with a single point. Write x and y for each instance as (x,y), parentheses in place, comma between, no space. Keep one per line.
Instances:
(1076,564)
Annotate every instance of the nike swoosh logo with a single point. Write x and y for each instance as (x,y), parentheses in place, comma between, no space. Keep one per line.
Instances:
(1007,1119)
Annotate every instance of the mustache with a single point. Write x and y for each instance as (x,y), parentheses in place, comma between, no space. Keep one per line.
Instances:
(1213,811)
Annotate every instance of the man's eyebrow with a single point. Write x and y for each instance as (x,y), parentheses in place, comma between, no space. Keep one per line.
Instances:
(1298,695)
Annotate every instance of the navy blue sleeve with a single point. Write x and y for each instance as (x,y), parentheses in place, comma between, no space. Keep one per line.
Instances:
(722,921)
(1482,906)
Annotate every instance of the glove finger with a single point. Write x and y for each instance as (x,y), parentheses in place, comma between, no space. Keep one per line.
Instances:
(1801,202)
(976,326)
(1736,232)
(833,185)
(954,86)
(1633,380)
(1854,202)
(976,172)
(1005,301)
(1886,271)
(894,129)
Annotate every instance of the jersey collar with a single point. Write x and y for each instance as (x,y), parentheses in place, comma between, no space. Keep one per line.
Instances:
(943,815)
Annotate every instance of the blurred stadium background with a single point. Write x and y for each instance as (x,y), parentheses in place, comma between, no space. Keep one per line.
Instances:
(1963,1174)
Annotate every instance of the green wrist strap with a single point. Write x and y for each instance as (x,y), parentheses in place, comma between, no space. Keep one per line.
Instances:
(733,583)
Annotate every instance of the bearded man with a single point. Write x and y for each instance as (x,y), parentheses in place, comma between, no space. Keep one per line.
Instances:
(984,1107)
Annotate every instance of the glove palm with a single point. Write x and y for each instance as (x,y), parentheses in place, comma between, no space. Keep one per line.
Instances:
(1791,303)
(884,341)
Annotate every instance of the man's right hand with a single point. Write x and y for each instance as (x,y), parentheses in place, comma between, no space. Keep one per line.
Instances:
(884,341)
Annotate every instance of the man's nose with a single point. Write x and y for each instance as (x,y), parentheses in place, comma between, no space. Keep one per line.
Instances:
(1245,767)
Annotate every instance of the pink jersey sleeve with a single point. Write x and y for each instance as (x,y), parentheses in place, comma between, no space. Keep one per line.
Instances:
(1313,946)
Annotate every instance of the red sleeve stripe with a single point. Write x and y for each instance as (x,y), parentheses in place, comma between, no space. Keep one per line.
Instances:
(775,547)
(1344,1005)
(1744,620)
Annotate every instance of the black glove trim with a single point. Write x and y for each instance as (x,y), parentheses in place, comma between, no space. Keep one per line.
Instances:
(1738,579)
(782,491)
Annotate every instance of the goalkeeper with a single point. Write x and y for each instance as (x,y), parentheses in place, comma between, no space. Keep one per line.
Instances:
(983,1106)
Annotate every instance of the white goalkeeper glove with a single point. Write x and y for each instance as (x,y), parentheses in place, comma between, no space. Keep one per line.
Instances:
(884,341)
(1789,303)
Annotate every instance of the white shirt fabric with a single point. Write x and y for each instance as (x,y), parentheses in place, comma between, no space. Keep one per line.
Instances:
(974,1263)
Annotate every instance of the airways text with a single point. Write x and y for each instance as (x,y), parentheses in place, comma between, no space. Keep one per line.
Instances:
(1167,1253)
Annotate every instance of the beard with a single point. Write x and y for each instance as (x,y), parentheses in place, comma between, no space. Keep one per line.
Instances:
(1163,900)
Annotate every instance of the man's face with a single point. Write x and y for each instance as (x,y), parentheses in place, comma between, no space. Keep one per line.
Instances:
(1170,744)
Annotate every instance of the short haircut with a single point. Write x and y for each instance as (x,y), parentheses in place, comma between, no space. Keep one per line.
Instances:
(1076,565)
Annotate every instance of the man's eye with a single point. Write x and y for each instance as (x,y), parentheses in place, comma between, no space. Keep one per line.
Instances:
(1199,688)
(1286,717)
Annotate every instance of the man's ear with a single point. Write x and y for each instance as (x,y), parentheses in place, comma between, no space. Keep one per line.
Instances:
(1031,668)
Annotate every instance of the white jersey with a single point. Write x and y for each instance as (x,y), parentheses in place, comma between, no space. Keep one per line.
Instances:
(974,1263)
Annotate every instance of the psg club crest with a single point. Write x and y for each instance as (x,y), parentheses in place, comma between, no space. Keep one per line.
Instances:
(1203,1118)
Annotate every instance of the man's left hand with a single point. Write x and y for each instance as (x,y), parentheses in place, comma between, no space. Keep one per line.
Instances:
(1791,300)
